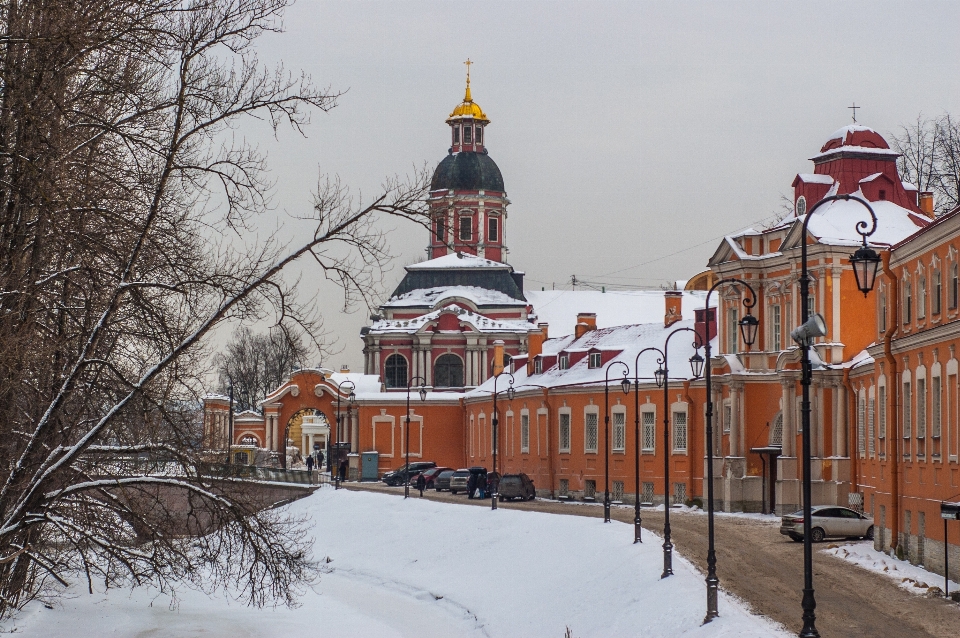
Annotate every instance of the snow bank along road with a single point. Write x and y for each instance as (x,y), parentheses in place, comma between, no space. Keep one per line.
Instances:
(756,563)
(423,569)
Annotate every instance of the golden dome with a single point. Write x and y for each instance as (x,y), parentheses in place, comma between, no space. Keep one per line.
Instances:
(468,108)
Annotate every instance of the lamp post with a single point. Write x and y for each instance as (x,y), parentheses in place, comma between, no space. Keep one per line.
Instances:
(496,421)
(748,330)
(230,427)
(625,384)
(406,434)
(865,262)
(662,376)
(636,449)
(352,398)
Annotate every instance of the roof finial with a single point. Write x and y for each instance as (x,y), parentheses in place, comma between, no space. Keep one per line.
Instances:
(467,97)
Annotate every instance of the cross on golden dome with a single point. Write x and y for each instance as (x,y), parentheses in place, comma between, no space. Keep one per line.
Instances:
(469,108)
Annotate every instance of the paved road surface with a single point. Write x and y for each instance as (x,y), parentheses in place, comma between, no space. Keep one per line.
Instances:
(765,569)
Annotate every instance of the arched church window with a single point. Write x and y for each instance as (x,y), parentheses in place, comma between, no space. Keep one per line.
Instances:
(448,371)
(776,431)
(395,371)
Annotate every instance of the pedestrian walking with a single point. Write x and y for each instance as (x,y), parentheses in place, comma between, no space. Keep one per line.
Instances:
(482,485)
(310,465)
(421,483)
(319,460)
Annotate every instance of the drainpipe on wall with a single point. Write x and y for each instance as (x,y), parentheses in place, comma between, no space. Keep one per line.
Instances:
(893,394)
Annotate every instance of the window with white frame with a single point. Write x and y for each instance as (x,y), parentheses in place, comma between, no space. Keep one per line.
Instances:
(564,431)
(538,366)
(727,416)
(524,432)
(777,329)
(907,302)
(564,362)
(937,292)
(619,431)
(882,304)
(921,297)
(595,360)
(871,412)
(590,432)
(906,410)
(649,422)
(466,228)
(733,319)
(921,408)
(493,225)
(882,414)
(861,417)
(954,285)
(935,407)
(679,431)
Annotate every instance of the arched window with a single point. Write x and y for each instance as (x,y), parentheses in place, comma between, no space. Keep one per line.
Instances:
(448,372)
(395,371)
(776,431)
(248,439)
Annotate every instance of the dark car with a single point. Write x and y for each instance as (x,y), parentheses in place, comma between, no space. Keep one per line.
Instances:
(514,486)
(442,482)
(399,475)
(429,476)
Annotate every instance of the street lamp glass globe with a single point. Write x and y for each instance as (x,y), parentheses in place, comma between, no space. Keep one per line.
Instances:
(748,329)
(696,365)
(625,384)
(423,393)
(510,393)
(352,398)
(865,264)
(660,375)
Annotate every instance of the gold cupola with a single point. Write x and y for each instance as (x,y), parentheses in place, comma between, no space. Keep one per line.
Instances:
(468,108)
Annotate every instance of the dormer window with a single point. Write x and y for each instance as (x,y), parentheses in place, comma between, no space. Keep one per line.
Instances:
(467,134)
(564,362)
(801,206)
(538,366)
(595,360)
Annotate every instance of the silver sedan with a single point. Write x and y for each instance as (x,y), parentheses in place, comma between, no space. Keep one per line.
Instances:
(828,521)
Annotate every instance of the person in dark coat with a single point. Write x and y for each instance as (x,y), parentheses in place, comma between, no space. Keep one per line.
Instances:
(343,470)
(310,464)
(482,485)
(319,460)
(471,485)
(421,483)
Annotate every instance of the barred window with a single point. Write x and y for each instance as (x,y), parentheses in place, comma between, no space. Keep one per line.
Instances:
(679,493)
(564,487)
(882,400)
(861,417)
(647,496)
(619,431)
(679,431)
(617,491)
(649,431)
(565,432)
(935,415)
(906,410)
(524,433)
(921,408)
(590,432)
(871,411)
(589,488)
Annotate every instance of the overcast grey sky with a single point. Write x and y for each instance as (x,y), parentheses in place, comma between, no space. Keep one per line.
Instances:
(631,135)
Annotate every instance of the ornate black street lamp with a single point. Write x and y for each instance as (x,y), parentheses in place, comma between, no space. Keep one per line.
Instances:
(496,421)
(625,384)
(352,398)
(406,434)
(865,262)
(636,449)
(662,376)
(748,330)
(230,428)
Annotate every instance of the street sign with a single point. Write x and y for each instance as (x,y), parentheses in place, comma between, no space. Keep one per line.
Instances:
(950,511)
(316,447)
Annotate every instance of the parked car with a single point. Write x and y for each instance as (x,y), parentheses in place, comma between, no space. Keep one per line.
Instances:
(517,486)
(442,482)
(429,476)
(458,481)
(827,521)
(399,475)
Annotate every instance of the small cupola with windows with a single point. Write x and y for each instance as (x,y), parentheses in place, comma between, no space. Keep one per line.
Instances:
(467,123)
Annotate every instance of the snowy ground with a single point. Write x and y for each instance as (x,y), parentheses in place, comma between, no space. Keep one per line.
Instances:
(422,568)
(910,577)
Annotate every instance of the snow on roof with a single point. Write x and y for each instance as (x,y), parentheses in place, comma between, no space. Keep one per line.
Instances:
(480,322)
(364,383)
(813,178)
(835,223)
(857,149)
(630,340)
(559,308)
(458,260)
(430,297)
(870,178)
(841,133)
(907,186)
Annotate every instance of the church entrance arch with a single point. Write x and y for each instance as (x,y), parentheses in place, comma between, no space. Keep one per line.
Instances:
(306,428)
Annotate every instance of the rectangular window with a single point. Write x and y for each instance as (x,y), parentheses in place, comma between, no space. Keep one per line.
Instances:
(564,487)
(679,493)
(467,134)
(937,292)
(861,417)
(921,297)
(617,495)
(538,366)
(595,360)
(456,134)
(524,433)
(921,408)
(906,410)
(954,285)
(727,417)
(647,496)
(466,228)
(564,362)
(493,230)
(679,431)
(649,431)
(733,319)
(441,231)
(619,431)
(882,319)
(565,432)
(935,414)
(907,302)
(882,400)
(590,432)
(589,489)
(777,327)
(479,135)
(871,412)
